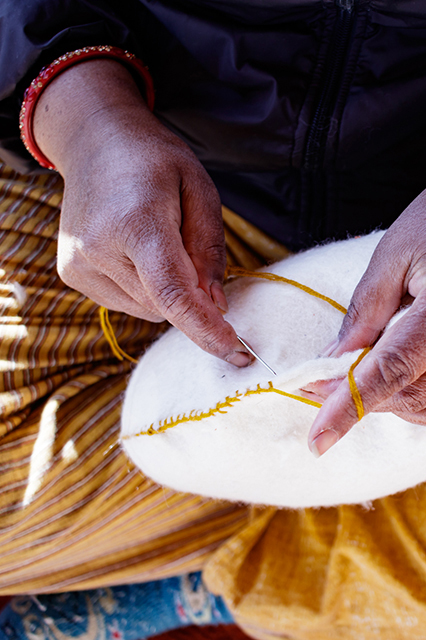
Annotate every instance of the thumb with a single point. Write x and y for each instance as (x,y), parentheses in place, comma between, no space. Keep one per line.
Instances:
(375,300)
(203,236)
(171,281)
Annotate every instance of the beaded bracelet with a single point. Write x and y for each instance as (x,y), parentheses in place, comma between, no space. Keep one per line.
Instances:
(47,74)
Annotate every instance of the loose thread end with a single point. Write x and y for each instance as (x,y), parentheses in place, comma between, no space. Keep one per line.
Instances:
(111,338)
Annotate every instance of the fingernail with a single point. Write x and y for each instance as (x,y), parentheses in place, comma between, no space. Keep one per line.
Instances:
(240,359)
(218,296)
(326,353)
(310,395)
(324,442)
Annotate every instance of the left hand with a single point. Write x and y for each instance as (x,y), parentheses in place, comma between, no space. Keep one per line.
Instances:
(392,377)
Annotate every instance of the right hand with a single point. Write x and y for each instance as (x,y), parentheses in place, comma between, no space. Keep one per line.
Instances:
(141,228)
(392,376)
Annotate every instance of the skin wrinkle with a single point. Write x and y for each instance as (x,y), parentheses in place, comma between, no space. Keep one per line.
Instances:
(407,400)
(137,199)
(110,149)
(415,279)
(371,324)
(392,377)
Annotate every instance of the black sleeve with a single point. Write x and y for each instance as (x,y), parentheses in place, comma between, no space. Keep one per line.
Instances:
(33,33)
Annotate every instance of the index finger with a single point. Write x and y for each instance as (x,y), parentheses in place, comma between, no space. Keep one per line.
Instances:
(397,360)
(172,282)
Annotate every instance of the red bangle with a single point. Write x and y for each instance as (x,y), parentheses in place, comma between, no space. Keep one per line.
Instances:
(47,74)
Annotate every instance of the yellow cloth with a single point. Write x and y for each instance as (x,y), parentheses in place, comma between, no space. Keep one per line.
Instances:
(329,574)
(75,513)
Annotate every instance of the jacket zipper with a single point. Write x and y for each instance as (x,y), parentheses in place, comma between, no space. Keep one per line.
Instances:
(329,85)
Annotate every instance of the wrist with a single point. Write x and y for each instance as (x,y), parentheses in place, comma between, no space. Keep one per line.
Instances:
(84,101)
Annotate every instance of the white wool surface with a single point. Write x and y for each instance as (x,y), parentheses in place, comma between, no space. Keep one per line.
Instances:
(255,450)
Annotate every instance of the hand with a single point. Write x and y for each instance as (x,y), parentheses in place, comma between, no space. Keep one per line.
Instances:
(141,227)
(392,377)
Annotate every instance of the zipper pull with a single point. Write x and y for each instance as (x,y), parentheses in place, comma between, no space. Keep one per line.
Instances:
(346,5)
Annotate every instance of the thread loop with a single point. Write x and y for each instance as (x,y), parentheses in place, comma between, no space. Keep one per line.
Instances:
(240,272)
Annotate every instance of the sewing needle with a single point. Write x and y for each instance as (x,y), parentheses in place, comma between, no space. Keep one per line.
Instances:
(255,355)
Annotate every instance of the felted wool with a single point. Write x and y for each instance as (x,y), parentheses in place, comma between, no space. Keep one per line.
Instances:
(197,424)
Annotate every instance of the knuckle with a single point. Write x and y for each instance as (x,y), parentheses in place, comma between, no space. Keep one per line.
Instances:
(133,231)
(348,415)
(174,300)
(74,260)
(178,306)
(411,399)
(91,245)
(213,344)
(395,371)
(216,252)
(410,402)
(210,190)
(200,183)
(215,339)
(64,275)
(211,195)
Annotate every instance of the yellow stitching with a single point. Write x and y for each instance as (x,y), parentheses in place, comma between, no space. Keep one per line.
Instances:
(228,402)
(356,396)
(238,271)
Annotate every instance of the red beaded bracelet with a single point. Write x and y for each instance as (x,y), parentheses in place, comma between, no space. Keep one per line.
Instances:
(47,74)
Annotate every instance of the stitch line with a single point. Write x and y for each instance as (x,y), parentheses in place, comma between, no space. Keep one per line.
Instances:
(228,402)
(193,416)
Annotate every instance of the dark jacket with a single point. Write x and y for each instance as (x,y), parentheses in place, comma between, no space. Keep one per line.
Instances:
(310,115)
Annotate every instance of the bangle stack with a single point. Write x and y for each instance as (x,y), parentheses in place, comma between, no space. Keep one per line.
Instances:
(49,73)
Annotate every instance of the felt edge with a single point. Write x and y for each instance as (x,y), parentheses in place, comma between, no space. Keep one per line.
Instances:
(295,380)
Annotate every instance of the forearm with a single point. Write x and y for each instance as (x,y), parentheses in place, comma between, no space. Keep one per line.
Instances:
(36,32)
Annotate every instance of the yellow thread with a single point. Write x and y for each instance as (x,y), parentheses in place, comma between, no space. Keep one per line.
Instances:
(356,396)
(230,271)
(110,336)
(228,402)
(238,271)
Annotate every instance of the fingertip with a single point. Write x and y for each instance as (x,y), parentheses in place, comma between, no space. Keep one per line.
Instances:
(335,416)
(240,359)
(323,442)
(330,349)
(310,395)
(323,388)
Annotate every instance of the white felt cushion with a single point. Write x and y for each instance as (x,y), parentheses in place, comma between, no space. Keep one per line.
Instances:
(255,450)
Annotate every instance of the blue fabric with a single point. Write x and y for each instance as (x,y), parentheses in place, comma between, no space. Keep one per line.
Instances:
(129,612)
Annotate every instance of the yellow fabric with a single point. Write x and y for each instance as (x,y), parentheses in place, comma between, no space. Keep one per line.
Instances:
(329,574)
(76,514)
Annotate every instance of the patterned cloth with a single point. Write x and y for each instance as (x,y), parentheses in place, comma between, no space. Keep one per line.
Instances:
(75,514)
(128,612)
